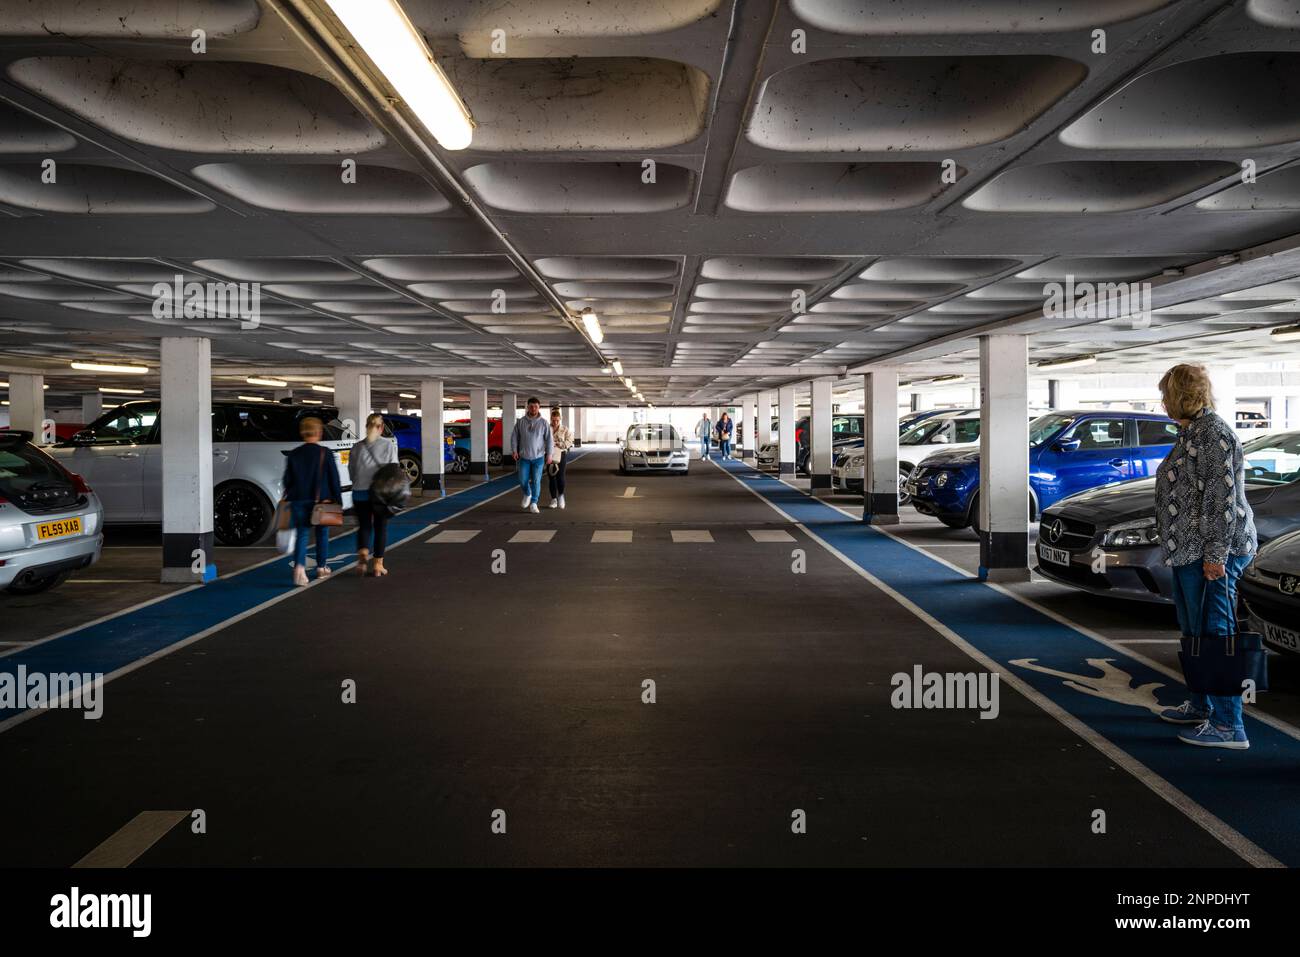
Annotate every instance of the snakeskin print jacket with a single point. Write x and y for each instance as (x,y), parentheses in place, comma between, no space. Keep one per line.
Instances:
(1201,509)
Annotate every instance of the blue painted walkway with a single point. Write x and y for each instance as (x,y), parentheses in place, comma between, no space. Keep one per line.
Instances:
(1256,792)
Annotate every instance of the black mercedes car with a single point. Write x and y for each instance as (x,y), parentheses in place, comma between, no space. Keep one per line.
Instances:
(1270,586)
(1104,540)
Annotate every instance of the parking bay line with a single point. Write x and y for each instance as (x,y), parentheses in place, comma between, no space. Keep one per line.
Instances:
(128,842)
(1218,786)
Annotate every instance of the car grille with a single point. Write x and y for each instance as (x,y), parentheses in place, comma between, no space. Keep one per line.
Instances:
(1075,535)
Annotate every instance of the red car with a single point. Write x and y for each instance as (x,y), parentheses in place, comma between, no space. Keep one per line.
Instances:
(494,440)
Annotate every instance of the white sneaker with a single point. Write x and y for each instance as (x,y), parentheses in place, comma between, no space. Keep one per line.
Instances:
(554,503)
(534,509)
(528,500)
(561,501)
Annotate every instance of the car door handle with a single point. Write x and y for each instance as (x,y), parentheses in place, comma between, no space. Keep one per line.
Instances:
(127,455)
(1117,463)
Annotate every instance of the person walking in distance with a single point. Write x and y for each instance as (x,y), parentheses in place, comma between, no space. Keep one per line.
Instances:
(311,478)
(558,460)
(530,445)
(724,435)
(366,458)
(703,431)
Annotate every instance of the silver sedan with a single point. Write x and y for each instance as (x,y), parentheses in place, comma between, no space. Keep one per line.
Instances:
(653,447)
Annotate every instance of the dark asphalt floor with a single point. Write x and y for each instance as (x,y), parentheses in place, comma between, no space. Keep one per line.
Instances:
(522,692)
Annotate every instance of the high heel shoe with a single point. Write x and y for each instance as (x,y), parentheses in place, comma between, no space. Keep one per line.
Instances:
(377,568)
(363,560)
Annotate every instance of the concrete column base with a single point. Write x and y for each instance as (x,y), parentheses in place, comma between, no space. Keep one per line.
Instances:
(178,558)
(819,482)
(881,519)
(1000,575)
(787,468)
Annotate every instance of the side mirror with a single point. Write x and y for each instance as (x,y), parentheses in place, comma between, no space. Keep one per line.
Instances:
(941,439)
(1067,445)
(83,438)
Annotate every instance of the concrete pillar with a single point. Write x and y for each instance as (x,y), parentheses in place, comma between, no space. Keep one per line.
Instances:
(509,413)
(186,393)
(283,395)
(1003,517)
(92,407)
(1054,393)
(785,435)
(580,429)
(432,468)
(27,406)
(1223,380)
(1062,394)
(880,459)
(763,434)
(352,397)
(820,438)
(478,435)
(750,418)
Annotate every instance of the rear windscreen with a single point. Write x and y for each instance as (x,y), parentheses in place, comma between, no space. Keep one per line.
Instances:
(22,468)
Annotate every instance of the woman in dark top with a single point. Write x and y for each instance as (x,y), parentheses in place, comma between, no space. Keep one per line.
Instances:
(310,476)
(1207,535)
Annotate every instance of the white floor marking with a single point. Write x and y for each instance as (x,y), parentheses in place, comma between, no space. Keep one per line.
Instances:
(533,535)
(453,536)
(1228,836)
(630,492)
(770,535)
(613,536)
(1147,641)
(112,581)
(692,535)
(135,837)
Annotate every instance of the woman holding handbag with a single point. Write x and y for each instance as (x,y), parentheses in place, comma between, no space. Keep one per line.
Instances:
(366,458)
(314,497)
(562,441)
(1207,534)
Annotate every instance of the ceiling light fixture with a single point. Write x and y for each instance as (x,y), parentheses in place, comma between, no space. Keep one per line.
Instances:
(591,322)
(107,367)
(407,395)
(1286,334)
(273,383)
(313,402)
(392,43)
(250,398)
(322,388)
(1071,363)
(105,388)
(5,385)
(617,367)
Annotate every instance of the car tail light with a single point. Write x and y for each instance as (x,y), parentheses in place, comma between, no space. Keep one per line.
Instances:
(78,483)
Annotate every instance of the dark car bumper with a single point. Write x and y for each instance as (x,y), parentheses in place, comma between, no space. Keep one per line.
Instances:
(1273,614)
(1138,574)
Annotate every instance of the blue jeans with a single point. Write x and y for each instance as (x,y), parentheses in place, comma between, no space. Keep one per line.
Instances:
(1220,604)
(725,448)
(530,477)
(704,448)
(301,517)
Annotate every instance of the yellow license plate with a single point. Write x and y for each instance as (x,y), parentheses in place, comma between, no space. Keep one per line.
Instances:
(343,455)
(48,530)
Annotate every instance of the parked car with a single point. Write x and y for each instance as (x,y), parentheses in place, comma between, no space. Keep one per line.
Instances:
(653,447)
(495,455)
(932,434)
(51,523)
(459,435)
(1270,586)
(1120,519)
(844,429)
(910,419)
(1069,452)
(120,455)
(1251,420)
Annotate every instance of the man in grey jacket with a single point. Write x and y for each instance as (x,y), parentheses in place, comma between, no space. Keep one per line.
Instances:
(530,444)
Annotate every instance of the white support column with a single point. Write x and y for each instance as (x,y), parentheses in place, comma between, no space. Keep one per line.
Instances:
(509,413)
(880,461)
(27,406)
(763,434)
(186,393)
(352,396)
(820,438)
(1223,380)
(432,468)
(478,435)
(750,449)
(580,430)
(785,454)
(282,395)
(1003,512)
(92,407)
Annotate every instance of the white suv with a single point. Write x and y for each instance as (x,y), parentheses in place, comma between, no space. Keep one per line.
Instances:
(952,430)
(120,456)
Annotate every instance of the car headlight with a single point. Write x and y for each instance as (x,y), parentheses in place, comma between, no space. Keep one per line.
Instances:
(856,462)
(633,453)
(1133,534)
(941,479)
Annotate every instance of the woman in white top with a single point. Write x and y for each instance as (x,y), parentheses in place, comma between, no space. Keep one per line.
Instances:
(563,439)
(365,459)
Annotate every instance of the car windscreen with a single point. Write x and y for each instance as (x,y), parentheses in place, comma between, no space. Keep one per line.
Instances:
(270,423)
(653,433)
(1046,426)
(1273,459)
(24,469)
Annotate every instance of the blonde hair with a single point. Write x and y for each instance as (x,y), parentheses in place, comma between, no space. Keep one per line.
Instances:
(374,418)
(310,425)
(1186,389)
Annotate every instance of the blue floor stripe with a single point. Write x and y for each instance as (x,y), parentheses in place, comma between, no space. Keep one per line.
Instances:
(124,639)
(1256,792)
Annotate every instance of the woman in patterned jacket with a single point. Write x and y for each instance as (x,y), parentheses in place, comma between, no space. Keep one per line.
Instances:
(1207,534)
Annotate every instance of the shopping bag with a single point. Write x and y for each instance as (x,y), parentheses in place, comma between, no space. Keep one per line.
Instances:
(286,539)
(1222,664)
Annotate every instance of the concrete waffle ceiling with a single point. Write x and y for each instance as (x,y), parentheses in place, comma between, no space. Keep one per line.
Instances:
(914,172)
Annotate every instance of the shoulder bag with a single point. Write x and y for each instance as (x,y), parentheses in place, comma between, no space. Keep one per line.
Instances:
(325,513)
(1221,664)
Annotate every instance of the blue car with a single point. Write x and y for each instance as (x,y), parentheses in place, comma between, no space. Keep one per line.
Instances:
(410,449)
(1068,452)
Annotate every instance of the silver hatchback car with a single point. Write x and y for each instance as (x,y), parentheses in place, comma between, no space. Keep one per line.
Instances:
(51,523)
